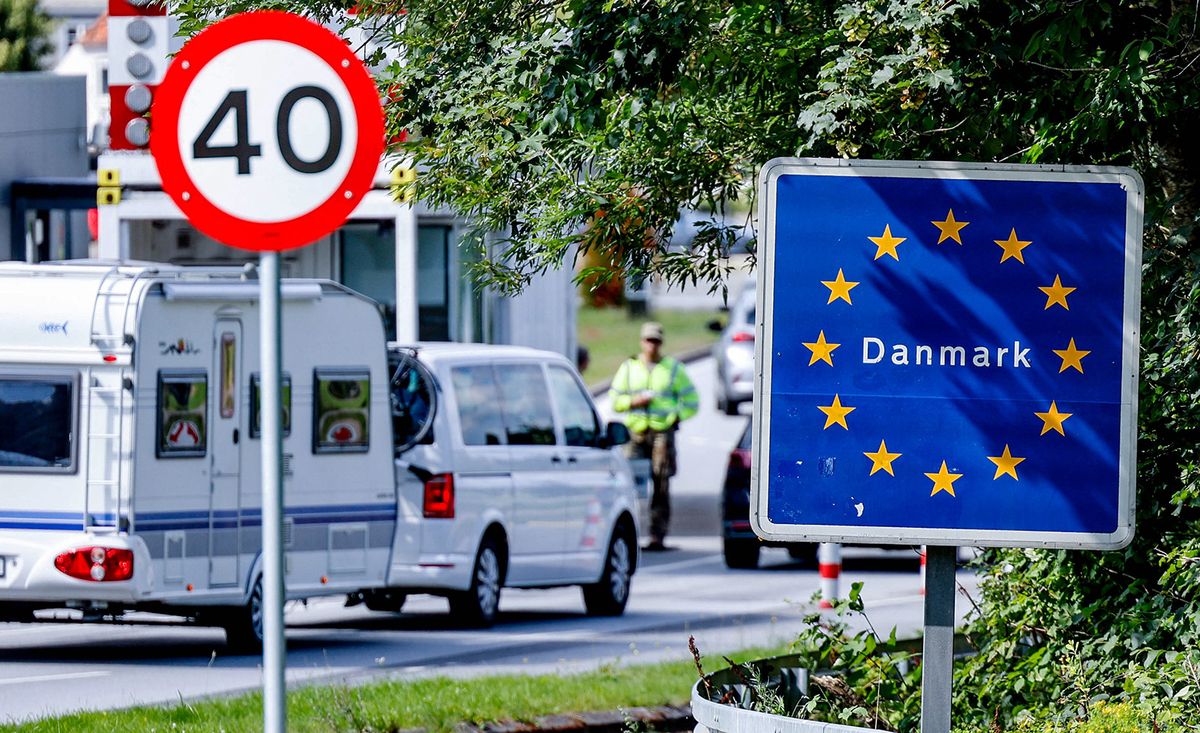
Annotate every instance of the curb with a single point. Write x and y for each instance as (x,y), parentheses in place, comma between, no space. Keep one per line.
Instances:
(666,718)
(686,357)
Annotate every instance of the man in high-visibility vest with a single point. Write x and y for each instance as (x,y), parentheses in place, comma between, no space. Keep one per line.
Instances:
(656,394)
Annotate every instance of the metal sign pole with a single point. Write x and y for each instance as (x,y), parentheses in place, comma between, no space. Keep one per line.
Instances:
(937,656)
(274,644)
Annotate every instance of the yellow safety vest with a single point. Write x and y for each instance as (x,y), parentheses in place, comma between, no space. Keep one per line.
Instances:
(674,397)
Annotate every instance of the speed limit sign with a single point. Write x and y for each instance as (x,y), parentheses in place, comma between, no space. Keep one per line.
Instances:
(267,131)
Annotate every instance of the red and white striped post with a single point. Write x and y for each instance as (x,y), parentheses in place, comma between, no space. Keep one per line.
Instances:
(923,570)
(829,565)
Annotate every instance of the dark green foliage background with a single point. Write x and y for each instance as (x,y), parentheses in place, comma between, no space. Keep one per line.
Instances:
(23,29)
(590,123)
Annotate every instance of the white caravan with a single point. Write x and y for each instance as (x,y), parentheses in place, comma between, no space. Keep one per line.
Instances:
(129,452)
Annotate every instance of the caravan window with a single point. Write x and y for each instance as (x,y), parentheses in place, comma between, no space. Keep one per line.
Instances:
(37,423)
(285,394)
(182,414)
(342,410)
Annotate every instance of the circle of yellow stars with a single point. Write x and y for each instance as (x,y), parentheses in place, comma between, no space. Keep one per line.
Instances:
(887,244)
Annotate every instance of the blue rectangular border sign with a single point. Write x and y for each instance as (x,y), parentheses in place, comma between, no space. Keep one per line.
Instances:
(948,354)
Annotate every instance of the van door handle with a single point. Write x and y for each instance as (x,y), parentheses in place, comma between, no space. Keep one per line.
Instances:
(572,459)
(556,459)
(236,435)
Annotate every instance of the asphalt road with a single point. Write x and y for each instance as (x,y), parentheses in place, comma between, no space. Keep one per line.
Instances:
(52,668)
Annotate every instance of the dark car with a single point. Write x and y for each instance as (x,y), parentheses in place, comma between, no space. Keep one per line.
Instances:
(741,545)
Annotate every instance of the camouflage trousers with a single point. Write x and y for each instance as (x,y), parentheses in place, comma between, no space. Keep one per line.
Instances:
(659,447)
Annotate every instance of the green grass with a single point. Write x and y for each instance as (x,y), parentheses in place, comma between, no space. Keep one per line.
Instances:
(612,337)
(436,704)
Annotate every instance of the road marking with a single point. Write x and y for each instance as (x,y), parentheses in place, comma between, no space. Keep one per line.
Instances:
(893,601)
(55,677)
(679,564)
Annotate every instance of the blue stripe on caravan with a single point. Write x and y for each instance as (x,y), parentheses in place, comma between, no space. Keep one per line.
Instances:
(4,524)
(223,519)
(41,515)
(355,518)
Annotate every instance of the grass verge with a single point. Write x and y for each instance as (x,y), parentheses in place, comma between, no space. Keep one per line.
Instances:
(611,336)
(436,704)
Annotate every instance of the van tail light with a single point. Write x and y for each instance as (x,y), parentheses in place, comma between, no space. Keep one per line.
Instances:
(100,564)
(743,336)
(740,459)
(439,497)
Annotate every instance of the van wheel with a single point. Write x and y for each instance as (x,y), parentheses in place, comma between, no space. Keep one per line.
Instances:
(741,554)
(479,605)
(608,596)
(244,624)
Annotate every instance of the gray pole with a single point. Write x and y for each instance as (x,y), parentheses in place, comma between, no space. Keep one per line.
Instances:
(937,657)
(274,645)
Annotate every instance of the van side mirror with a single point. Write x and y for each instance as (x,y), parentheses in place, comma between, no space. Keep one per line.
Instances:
(615,433)
(716,325)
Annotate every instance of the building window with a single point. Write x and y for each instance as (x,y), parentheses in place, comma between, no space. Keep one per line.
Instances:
(368,264)
(433,282)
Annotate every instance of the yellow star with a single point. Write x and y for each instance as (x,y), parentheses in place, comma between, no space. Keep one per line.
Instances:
(1012,247)
(1005,464)
(836,413)
(887,244)
(839,288)
(821,350)
(1071,357)
(943,480)
(881,459)
(950,228)
(1052,419)
(1057,293)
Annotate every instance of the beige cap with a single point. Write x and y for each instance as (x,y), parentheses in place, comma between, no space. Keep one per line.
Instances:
(652,330)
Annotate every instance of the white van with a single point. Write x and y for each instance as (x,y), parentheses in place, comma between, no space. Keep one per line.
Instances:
(506,476)
(130,465)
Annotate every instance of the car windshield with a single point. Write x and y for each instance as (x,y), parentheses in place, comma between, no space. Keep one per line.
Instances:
(36,422)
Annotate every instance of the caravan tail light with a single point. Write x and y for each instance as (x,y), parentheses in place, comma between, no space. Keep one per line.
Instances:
(742,336)
(96,563)
(439,497)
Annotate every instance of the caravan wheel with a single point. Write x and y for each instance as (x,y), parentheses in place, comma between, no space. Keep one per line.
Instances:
(244,624)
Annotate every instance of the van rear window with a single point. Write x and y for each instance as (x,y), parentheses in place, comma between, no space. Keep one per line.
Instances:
(37,423)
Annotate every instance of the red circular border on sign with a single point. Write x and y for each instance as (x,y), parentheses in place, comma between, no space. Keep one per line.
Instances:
(266,25)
